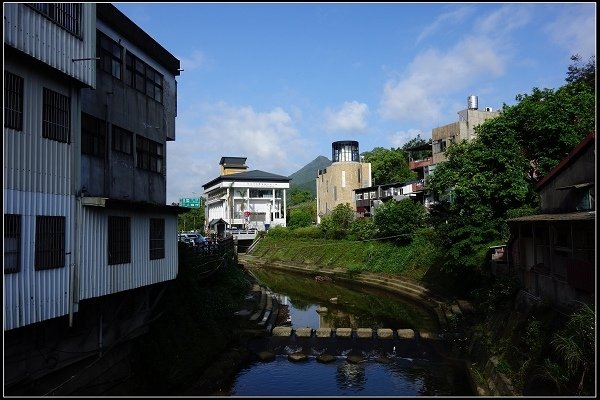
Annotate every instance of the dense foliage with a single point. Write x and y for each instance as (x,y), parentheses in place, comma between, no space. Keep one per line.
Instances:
(388,165)
(399,220)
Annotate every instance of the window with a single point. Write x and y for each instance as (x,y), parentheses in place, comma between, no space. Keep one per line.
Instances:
(119,240)
(122,140)
(111,55)
(157,238)
(13,101)
(65,15)
(12,243)
(93,136)
(144,78)
(56,122)
(149,154)
(49,242)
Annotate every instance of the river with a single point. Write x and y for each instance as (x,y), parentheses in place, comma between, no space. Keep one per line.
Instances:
(388,368)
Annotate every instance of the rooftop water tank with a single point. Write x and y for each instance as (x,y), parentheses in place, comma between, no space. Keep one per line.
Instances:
(472,101)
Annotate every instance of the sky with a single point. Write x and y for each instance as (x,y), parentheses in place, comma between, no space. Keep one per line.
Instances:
(278,83)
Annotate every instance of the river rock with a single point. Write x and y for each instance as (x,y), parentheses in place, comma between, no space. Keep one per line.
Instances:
(325,358)
(355,359)
(298,356)
(266,356)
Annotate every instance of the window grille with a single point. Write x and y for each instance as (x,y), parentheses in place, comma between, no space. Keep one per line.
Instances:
(149,154)
(65,15)
(93,136)
(157,238)
(111,55)
(56,118)
(122,140)
(143,77)
(119,240)
(13,101)
(12,243)
(49,242)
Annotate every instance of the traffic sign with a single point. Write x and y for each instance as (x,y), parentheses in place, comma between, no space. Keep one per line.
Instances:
(192,202)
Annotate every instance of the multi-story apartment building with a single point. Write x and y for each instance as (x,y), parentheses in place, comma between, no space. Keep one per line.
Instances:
(463,129)
(336,183)
(246,199)
(90,102)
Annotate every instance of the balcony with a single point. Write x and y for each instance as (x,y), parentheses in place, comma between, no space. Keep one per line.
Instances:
(418,164)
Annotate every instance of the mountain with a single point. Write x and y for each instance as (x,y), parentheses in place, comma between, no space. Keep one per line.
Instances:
(305,177)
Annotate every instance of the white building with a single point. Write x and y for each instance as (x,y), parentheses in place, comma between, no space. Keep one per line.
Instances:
(246,199)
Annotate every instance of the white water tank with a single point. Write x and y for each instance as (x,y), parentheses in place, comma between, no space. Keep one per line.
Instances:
(472,102)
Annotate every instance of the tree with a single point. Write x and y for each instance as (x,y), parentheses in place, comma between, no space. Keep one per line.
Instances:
(191,220)
(336,224)
(417,142)
(495,173)
(299,217)
(582,73)
(399,219)
(299,196)
(388,165)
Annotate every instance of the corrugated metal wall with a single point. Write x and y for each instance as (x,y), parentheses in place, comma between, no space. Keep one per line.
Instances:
(32,296)
(33,163)
(97,278)
(34,34)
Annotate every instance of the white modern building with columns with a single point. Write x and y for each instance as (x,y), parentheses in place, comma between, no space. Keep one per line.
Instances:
(246,199)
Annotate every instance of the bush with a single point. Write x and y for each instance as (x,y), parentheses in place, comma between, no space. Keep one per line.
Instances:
(307,232)
(362,229)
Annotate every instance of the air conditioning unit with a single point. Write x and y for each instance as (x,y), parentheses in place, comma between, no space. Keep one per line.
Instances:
(488,109)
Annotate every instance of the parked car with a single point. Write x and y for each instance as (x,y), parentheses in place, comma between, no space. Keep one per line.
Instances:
(189,238)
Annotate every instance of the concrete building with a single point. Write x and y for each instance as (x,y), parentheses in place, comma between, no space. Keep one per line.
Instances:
(90,102)
(336,183)
(246,199)
(463,129)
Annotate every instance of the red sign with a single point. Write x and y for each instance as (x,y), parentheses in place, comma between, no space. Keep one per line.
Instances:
(247,213)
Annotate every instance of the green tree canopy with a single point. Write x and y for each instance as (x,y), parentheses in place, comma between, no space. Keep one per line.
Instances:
(495,173)
(388,165)
(299,196)
(417,142)
(399,219)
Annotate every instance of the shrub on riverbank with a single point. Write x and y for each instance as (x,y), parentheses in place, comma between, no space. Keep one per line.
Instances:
(412,260)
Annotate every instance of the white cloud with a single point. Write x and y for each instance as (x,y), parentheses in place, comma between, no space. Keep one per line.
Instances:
(265,138)
(575,31)
(443,21)
(196,60)
(399,139)
(415,96)
(350,118)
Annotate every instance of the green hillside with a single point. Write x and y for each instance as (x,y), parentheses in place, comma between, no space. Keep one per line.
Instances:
(305,178)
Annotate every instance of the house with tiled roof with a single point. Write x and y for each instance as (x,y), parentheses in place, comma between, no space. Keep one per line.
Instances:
(246,199)
(553,252)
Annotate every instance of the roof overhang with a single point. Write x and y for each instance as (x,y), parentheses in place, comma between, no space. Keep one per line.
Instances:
(129,205)
(574,216)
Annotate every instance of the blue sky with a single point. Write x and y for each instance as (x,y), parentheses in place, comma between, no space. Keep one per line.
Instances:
(279,82)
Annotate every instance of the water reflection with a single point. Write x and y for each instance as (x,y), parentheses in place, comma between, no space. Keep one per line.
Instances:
(388,367)
(350,376)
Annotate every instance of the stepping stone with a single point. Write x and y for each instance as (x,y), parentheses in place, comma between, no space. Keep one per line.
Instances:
(364,333)
(266,356)
(282,331)
(303,332)
(355,359)
(325,358)
(406,334)
(385,333)
(383,360)
(297,357)
(343,332)
(323,332)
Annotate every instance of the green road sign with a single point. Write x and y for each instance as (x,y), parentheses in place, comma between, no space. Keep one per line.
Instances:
(192,202)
